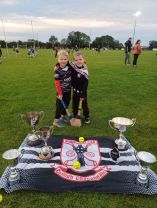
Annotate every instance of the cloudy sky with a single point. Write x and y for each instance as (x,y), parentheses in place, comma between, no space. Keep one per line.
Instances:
(94,17)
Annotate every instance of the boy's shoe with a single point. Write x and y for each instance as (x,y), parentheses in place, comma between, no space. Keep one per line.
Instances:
(87,120)
(65,118)
(58,123)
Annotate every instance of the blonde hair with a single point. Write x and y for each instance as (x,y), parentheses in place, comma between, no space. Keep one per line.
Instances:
(78,53)
(62,53)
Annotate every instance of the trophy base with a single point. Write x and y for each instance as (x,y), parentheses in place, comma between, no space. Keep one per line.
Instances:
(142,178)
(33,140)
(121,144)
(46,153)
(14,177)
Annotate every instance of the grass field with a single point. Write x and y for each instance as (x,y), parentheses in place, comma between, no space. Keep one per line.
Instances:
(26,84)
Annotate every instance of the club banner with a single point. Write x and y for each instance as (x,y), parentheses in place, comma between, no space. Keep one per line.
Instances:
(98,171)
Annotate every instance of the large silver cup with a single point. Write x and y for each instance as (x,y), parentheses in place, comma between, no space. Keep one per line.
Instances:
(46,151)
(33,118)
(145,159)
(11,155)
(120,124)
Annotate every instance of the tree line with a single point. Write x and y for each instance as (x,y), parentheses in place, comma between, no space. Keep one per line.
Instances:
(75,39)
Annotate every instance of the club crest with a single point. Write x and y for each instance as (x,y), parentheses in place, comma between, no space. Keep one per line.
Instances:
(87,153)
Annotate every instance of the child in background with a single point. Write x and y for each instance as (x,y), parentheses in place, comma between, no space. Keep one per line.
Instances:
(62,76)
(80,85)
(136,51)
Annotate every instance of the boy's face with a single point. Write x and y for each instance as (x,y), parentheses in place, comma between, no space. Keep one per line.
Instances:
(79,60)
(62,60)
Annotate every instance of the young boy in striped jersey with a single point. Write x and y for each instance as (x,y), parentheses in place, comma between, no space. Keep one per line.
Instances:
(62,76)
(80,85)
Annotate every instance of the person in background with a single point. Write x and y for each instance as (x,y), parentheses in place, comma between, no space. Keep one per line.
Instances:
(128,47)
(136,51)
(0,55)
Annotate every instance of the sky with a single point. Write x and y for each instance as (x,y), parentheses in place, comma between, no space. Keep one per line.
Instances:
(93,17)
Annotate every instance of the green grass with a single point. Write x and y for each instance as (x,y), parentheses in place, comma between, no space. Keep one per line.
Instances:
(115,90)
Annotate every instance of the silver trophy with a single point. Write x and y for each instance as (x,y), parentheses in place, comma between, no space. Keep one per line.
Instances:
(120,124)
(12,155)
(33,118)
(46,151)
(144,158)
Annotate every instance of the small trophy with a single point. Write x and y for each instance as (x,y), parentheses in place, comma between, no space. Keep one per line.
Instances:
(33,118)
(120,124)
(46,151)
(12,155)
(144,158)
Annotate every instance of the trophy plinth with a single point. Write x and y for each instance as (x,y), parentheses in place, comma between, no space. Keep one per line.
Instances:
(12,155)
(144,158)
(46,151)
(120,124)
(14,176)
(33,118)
(33,139)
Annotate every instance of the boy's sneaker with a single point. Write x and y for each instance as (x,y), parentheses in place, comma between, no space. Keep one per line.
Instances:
(58,123)
(87,120)
(65,118)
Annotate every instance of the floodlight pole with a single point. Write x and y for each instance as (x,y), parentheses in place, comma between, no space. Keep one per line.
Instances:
(134,32)
(90,30)
(33,33)
(4,36)
(38,41)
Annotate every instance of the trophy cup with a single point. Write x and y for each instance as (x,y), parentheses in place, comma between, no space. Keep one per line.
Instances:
(33,118)
(46,151)
(144,158)
(120,124)
(12,155)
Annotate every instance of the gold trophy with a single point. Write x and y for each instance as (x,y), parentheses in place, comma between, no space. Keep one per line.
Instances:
(46,151)
(33,118)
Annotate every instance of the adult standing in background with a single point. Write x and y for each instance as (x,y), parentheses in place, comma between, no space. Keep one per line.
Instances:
(128,47)
(136,51)
(0,55)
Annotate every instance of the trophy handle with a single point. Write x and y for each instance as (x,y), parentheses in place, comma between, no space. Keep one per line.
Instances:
(42,114)
(51,129)
(21,153)
(23,117)
(110,121)
(134,121)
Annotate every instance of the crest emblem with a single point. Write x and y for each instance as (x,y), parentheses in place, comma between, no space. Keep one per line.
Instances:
(87,153)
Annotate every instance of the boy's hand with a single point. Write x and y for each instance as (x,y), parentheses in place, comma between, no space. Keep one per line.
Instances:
(56,67)
(85,66)
(60,97)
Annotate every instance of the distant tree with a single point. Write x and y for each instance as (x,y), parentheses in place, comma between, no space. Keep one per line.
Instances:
(2,43)
(103,41)
(106,42)
(63,43)
(118,44)
(53,40)
(152,44)
(77,40)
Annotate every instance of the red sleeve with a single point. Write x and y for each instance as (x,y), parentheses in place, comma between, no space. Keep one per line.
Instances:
(58,87)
